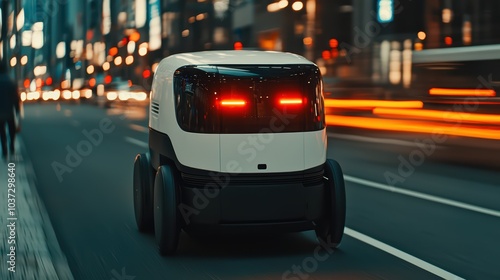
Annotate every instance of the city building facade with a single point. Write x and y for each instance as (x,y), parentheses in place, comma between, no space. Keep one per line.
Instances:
(73,44)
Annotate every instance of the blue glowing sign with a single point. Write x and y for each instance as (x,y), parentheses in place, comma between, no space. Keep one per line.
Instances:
(154,25)
(385,11)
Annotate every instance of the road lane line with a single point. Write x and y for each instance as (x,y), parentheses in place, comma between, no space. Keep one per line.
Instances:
(428,197)
(372,139)
(402,255)
(136,142)
(139,128)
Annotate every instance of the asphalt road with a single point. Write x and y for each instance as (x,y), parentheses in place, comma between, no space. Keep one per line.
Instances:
(442,216)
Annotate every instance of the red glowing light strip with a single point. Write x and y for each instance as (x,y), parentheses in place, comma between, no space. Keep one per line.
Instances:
(292,101)
(233,102)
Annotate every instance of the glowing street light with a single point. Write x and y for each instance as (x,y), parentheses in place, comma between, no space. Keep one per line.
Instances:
(106,66)
(13,61)
(90,69)
(118,60)
(131,47)
(24,60)
(143,49)
(421,35)
(276,6)
(200,17)
(129,60)
(61,49)
(297,5)
(308,41)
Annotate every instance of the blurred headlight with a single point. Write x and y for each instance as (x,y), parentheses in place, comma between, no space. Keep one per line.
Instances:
(75,94)
(87,93)
(23,96)
(111,95)
(46,95)
(139,96)
(66,94)
(123,95)
(57,94)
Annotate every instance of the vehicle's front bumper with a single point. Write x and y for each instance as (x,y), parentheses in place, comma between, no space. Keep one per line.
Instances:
(280,202)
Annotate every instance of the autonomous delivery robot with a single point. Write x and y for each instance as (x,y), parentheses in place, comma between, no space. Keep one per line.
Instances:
(237,144)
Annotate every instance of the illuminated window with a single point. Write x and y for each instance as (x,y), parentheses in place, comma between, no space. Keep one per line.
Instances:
(140,13)
(385,11)
(447,15)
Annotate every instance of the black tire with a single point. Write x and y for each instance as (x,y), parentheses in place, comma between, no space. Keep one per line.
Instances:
(166,216)
(330,229)
(143,193)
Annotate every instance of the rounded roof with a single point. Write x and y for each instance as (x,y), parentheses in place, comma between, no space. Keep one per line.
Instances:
(233,57)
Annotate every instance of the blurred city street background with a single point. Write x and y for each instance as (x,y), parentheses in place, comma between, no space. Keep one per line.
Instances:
(413,112)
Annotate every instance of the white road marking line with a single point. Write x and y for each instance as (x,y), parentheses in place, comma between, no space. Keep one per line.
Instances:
(428,197)
(372,139)
(401,255)
(139,128)
(136,142)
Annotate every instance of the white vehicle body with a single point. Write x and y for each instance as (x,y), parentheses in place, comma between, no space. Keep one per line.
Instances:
(269,151)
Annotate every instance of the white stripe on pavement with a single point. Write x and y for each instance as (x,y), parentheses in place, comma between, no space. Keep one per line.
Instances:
(428,197)
(401,255)
(136,142)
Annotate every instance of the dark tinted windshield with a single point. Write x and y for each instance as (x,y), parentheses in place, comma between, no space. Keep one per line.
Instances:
(249,98)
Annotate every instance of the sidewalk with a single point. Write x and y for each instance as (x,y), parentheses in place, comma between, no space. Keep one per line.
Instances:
(37,252)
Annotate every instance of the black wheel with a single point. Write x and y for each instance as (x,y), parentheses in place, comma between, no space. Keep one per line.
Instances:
(143,193)
(331,227)
(166,216)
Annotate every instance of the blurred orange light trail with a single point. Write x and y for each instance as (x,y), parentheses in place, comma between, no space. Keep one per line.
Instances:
(413,126)
(353,103)
(436,115)
(462,92)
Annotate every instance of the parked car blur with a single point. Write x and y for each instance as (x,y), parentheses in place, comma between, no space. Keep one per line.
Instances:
(122,92)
